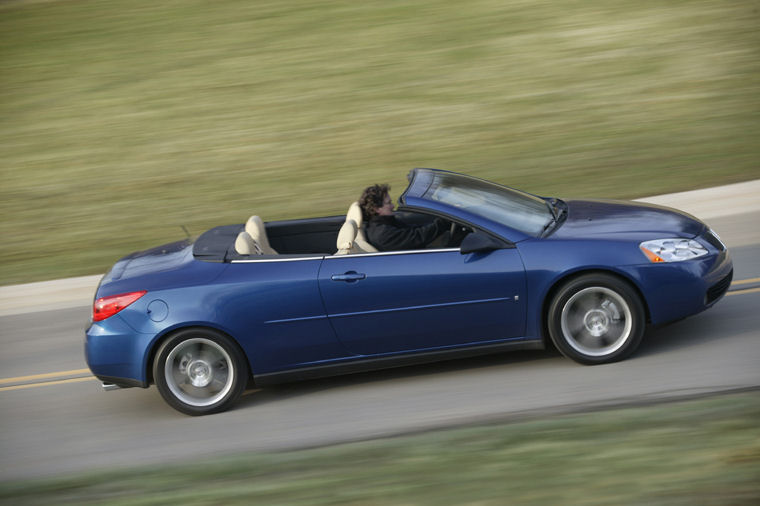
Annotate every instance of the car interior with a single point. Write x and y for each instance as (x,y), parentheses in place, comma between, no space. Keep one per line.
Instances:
(334,235)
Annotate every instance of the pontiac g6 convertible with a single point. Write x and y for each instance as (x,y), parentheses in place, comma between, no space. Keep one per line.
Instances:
(258,303)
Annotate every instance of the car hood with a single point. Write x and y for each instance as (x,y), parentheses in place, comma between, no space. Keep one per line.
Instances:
(610,217)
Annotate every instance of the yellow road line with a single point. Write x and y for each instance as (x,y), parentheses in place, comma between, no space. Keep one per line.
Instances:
(46,375)
(746,281)
(44,384)
(740,292)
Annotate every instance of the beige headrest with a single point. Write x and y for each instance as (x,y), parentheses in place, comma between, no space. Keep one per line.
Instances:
(247,245)
(346,237)
(360,241)
(255,228)
(355,213)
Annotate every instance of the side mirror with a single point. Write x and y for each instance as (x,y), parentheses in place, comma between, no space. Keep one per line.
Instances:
(479,242)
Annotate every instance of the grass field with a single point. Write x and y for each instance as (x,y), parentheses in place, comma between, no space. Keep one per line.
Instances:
(703,452)
(122,121)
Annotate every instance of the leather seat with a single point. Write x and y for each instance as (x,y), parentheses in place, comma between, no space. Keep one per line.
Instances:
(247,245)
(355,213)
(258,232)
(346,238)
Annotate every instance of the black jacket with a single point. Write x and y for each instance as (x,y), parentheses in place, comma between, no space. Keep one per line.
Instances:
(386,233)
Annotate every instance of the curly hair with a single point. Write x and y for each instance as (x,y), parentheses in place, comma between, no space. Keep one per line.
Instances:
(372,198)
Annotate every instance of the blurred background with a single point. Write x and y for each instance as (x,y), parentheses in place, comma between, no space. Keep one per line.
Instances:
(123,121)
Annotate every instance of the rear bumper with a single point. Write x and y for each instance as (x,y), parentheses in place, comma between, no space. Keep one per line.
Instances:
(115,353)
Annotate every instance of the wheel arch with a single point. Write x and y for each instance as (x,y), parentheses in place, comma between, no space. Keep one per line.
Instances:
(557,284)
(169,332)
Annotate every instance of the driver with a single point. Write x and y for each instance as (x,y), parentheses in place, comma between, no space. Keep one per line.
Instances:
(385,232)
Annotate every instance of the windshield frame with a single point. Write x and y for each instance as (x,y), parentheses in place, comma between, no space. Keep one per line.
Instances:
(528,214)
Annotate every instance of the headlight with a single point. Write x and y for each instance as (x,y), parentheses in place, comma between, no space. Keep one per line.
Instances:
(672,250)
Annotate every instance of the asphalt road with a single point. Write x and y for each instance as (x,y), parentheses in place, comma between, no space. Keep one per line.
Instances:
(55,418)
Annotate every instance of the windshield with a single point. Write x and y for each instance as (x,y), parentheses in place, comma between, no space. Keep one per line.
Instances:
(515,209)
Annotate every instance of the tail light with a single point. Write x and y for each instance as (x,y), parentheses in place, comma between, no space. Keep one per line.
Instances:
(106,307)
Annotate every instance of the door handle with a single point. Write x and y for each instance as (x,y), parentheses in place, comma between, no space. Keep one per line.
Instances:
(349,277)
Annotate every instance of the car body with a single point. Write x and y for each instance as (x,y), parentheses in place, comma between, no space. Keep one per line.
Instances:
(204,319)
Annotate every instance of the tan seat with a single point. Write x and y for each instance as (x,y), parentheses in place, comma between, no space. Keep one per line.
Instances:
(346,238)
(247,245)
(355,213)
(255,228)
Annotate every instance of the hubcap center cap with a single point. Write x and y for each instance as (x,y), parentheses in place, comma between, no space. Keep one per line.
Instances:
(597,322)
(200,373)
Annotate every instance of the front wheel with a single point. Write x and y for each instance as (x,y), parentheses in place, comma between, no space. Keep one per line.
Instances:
(200,371)
(596,319)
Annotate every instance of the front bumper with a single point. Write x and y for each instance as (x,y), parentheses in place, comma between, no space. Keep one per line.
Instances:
(676,290)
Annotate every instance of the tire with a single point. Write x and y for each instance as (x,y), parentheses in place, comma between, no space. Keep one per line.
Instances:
(200,371)
(596,319)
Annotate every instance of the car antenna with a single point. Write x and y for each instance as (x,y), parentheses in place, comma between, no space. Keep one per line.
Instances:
(186,232)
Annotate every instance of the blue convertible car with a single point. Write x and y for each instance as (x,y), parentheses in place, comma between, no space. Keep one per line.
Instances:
(258,303)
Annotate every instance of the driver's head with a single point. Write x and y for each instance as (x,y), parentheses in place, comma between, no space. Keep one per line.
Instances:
(376,200)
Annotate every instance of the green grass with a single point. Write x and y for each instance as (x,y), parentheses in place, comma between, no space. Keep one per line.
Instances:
(121,121)
(703,451)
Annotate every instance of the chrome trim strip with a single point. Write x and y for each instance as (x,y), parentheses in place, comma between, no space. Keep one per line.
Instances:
(426,306)
(377,311)
(351,255)
(388,253)
(264,260)
(299,319)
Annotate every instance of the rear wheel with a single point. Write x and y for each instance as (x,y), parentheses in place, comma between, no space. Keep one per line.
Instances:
(200,371)
(596,318)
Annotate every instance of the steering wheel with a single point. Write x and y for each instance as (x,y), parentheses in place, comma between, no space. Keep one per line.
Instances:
(457,233)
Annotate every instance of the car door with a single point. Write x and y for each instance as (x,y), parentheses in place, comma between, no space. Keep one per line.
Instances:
(273,306)
(416,300)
